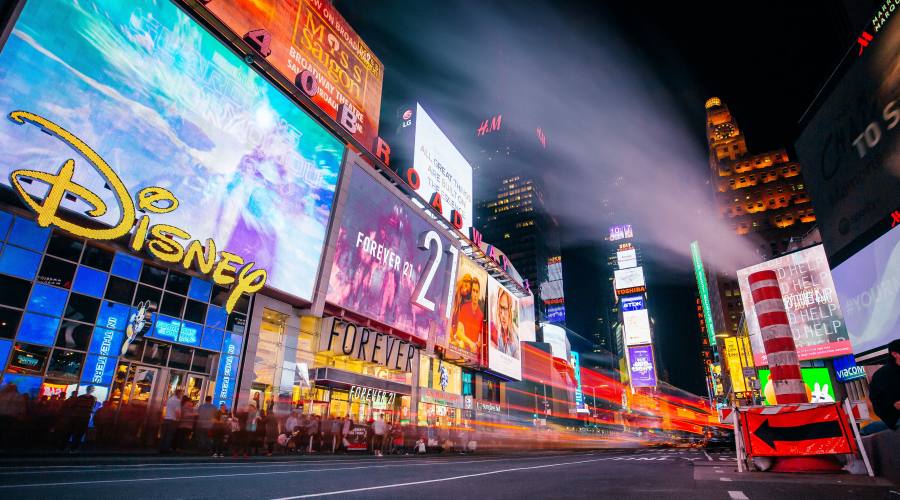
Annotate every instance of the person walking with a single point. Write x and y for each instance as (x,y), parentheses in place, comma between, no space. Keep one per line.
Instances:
(379,428)
(186,424)
(249,434)
(336,425)
(271,425)
(345,432)
(170,422)
(206,415)
(219,429)
(312,430)
(80,417)
(884,389)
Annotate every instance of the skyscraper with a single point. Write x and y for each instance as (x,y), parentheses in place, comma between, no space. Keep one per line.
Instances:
(762,196)
(511,212)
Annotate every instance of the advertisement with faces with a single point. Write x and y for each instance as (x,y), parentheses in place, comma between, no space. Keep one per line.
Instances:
(467,315)
(504,355)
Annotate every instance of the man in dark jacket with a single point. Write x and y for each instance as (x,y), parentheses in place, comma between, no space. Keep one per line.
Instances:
(884,390)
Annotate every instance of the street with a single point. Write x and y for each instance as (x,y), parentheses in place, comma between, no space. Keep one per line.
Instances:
(607,474)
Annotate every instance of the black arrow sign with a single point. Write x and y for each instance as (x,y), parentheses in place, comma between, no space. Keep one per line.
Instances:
(818,430)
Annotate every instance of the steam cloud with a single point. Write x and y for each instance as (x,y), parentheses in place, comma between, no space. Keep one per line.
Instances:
(621,153)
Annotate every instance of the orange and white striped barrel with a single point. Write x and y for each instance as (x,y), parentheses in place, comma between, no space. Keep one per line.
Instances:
(784,366)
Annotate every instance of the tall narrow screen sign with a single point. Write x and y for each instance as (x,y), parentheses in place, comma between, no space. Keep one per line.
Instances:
(703,290)
(310,35)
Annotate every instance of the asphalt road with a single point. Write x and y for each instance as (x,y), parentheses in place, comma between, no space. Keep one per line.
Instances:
(643,474)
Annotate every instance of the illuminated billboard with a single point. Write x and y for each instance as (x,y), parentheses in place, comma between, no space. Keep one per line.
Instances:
(575,363)
(868,286)
(641,366)
(622,232)
(167,105)
(813,311)
(819,388)
(390,263)
(850,148)
(504,355)
(626,259)
(556,336)
(637,327)
(312,36)
(467,316)
(846,369)
(703,291)
(630,279)
(735,362)
(442,171)
(631,303)
(526,319)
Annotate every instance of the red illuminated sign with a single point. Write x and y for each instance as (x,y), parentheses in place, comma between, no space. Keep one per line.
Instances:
(541,137)
(796,431)
(863,41)
(895,218)
(492,124)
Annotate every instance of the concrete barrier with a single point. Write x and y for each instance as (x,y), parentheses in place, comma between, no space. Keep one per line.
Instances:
(883,449)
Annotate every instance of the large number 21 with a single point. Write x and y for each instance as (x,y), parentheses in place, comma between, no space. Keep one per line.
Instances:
(430,240)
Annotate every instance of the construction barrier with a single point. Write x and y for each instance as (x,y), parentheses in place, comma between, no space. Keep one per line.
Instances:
(797,430)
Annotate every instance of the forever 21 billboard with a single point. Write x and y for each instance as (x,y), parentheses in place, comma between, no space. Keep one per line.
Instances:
(390,263)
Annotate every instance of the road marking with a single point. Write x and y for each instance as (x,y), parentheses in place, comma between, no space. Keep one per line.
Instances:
(428,481)
(385,466)
(707,456)
(737,495)
(726,479)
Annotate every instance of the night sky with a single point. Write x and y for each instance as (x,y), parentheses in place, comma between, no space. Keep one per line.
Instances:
(629,80)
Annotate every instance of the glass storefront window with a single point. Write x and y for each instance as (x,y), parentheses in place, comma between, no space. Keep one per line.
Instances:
(281,366)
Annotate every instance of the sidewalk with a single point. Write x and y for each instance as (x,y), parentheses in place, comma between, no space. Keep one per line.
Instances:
(727,472)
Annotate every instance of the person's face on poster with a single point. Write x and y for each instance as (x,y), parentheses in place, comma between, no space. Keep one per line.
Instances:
(503,303)
(466,289)
(476,293)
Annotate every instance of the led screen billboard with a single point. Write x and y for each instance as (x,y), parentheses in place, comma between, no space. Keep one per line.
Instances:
(467,316)
(637,327)
(630,279)
(626,258)
(165,104)
(527,320)
(868,286)
(556,336)
(575,363)
(622,232)
(442,169)
(391,264)
(641,366)
(850,149)
(504,355)
(311,35)
(811,303)
(735,362)
(819,388)
(846,369)
(632,303)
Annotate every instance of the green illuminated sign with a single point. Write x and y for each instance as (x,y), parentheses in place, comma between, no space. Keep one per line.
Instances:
(818,384)
(704,292)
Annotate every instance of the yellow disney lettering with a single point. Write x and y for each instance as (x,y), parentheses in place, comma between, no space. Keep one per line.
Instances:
(164,247)
(161,240)
(247,282)
(224,265)
(61,183)
(149,197)
(194,251)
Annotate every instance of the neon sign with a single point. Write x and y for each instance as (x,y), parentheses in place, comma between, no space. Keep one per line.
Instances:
(490,125)
(160,240)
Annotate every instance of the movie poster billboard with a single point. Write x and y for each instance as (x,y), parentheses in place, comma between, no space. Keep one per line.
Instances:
(311,35)
(527,323)
(641,366)
(442,170)
(391,264)
(467,315)
(165,104)
(850,149)
(813,311)
(868,286)
(504,355)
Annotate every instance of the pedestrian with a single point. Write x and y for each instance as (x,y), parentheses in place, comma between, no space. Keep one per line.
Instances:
(312,430)
(206,415)
(170,421)
(379,427)
(397,439)
(11,411)
(250,426)
(336,425)
(80,417)
(271,428)
(327,443)
(884,389)
(185,424)
(345,433)
(219,429)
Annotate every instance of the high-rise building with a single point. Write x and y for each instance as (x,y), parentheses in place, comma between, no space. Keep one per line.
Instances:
(762,196)
(511,211)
